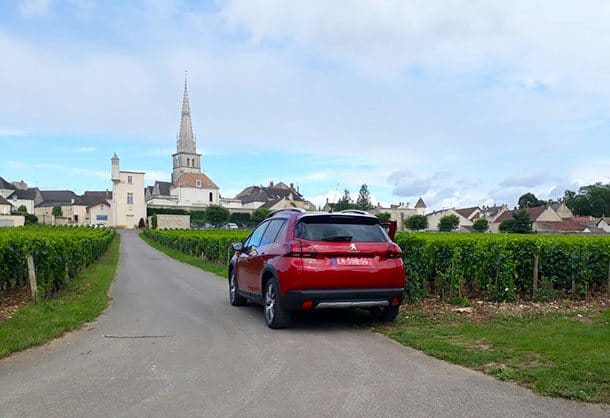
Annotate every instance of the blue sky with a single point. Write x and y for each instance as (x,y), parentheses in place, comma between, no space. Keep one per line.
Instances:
(461,103)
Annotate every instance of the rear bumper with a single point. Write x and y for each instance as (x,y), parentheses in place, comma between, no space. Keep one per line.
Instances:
(340,298)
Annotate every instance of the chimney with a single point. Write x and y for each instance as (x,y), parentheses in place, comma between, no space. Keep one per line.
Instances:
(271,183)
(292,185)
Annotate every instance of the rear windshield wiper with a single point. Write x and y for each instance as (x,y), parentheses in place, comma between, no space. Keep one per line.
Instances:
(346,238)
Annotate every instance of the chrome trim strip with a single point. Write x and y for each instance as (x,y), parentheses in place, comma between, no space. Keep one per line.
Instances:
(354,304)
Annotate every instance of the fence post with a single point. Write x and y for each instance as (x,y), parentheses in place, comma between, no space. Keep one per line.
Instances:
(32,277)
(535,276)
(608,278)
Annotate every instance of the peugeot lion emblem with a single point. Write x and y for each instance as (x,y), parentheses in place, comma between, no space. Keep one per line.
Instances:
(352,247)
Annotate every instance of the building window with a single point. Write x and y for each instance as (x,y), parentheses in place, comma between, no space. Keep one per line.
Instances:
(188,162)
(211,197)
(198,183)
(101,217)
(129,179)
(130,198)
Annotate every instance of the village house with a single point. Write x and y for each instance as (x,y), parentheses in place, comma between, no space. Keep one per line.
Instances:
(272,197)
(401,212)
(604,224)
(128,202)
(465,224)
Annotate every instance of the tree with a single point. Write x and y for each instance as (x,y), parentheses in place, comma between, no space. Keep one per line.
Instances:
(520,223)
(260,214)
(523,223)
(448,223)
(345,202)
(57,211)
(153,221)
(507,225)
(384,216)
(529,200)
(481,225)
(22,209)
(241,218)
(30,219)
(416,222)
(217,214)
(364,198)
(142,223)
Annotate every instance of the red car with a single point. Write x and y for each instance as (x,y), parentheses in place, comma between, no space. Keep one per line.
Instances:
(296,260)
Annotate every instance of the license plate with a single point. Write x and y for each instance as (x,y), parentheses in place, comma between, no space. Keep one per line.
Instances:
(351,261)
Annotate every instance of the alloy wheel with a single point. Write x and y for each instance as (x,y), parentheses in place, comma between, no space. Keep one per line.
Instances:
(269,303)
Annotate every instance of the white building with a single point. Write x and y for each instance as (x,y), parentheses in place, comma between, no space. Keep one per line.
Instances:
(128,203)
(190,188)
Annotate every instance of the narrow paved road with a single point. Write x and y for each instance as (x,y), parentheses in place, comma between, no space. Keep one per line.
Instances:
(203,357)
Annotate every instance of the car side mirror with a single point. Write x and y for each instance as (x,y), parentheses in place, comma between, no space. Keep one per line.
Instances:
(238,246)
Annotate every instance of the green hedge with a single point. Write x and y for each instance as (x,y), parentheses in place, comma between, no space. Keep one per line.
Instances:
(454,266)
(59,253)
(212,245)
(501,266)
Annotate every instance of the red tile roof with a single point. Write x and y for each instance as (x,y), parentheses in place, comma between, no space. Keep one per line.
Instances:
(567,225)
(190,180)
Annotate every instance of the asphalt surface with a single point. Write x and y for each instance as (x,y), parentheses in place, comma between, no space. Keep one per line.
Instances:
(171,345)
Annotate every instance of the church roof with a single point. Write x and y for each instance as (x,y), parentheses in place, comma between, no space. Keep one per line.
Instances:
(190,180)
(186,139)
(420,203)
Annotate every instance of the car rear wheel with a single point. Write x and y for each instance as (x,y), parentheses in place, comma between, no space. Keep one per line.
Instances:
(275,316)
(385,314)
(235,298)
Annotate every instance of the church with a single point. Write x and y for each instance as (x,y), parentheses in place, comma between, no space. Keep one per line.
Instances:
(190,188)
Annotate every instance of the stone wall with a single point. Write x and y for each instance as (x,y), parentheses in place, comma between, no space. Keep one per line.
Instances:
(12,220)
(172,221)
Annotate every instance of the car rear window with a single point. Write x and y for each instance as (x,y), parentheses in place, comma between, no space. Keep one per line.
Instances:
(340,228)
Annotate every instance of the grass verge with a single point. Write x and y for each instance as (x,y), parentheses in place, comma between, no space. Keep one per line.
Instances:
(83,299)
(558,354)
(219,269)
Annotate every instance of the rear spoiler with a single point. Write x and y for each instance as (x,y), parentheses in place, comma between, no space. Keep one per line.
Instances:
(390,227)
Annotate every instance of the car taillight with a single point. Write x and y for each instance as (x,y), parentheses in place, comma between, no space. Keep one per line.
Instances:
(394,251)
(300,249)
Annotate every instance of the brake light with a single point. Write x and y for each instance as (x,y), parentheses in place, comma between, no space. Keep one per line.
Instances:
(307,305)
(394,251)
(300,249)
(395,301)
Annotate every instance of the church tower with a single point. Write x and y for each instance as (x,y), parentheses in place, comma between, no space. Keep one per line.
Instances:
(186,159)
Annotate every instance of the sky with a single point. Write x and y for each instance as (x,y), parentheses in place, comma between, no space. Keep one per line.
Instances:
(461,102)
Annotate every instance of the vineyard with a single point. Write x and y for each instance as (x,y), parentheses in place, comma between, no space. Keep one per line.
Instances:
(59,253)
(500,267)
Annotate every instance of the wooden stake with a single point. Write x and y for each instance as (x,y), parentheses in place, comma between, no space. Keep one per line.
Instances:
(609,279)
(32,277)
(535,278)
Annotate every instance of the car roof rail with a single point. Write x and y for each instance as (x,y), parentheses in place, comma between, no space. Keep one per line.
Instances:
(354,211)
(275,212)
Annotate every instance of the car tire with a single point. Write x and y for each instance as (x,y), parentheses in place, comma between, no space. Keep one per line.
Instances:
(385,314)
(234,297)
(275,315)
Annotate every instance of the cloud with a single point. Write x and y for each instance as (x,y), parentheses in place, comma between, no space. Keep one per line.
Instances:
(407,184)
(33,8)
(531,179)
(155,175)
(440,36)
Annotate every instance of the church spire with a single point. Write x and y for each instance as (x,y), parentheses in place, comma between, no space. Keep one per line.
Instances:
(186,139)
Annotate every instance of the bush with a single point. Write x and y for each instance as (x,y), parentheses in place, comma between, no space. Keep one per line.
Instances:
(448,223)
(57,211)
(416,222)
(384,216)
(153,221)
(481,225)
(259,215)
